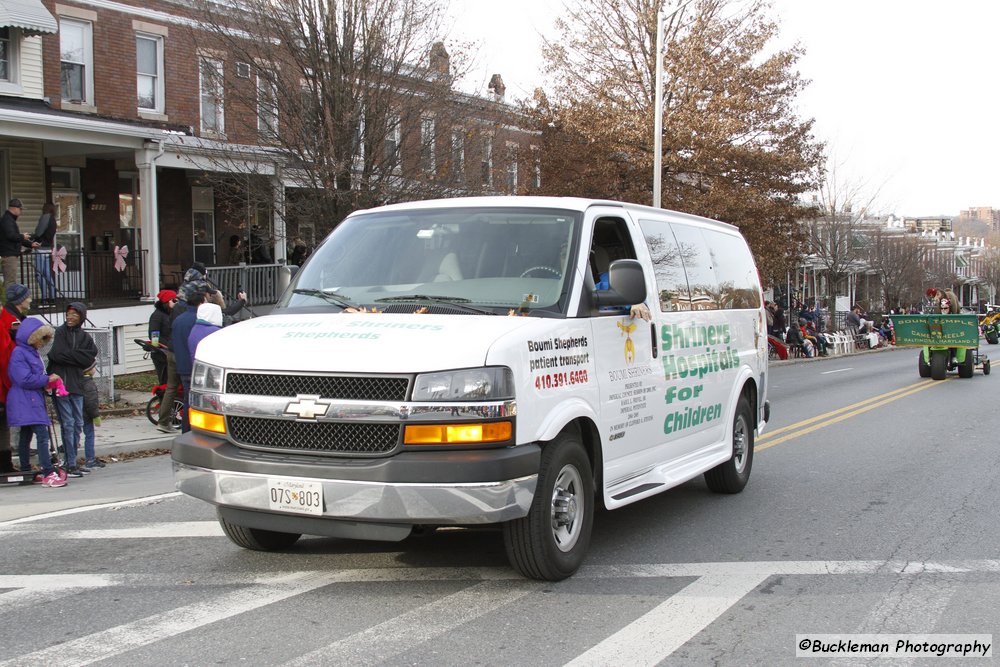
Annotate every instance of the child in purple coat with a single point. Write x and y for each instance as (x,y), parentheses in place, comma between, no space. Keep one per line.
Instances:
(26,398)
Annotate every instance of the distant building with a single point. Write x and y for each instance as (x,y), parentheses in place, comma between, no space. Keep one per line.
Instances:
(986,214)
(928,224)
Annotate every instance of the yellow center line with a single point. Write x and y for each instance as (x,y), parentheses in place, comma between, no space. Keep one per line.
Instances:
(802,428)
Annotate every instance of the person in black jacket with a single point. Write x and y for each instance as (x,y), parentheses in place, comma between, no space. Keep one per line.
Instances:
(159,333)
(11,242)
(73,352)
(45,237)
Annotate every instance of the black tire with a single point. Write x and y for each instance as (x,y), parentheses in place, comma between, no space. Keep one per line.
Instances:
(257,539)
(153,409)
(986,367)
(992,338)
(939,364)
(733,475)
(923,367)
(551,542)
(967,367)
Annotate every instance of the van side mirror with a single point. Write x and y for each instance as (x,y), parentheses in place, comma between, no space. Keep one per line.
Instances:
(627,285)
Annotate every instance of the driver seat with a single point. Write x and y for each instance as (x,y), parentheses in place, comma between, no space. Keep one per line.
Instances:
(448,269)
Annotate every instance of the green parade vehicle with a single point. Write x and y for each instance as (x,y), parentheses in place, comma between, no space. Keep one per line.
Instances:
(948,342)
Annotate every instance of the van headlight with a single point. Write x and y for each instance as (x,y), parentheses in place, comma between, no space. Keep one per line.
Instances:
(476,384)
(205,377)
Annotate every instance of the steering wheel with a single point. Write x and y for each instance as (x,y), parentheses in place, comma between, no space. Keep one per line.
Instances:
(542,269)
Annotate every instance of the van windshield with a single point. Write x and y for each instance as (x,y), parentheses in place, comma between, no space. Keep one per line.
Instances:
(450,260)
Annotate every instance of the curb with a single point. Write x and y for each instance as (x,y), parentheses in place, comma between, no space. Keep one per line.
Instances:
(857,353)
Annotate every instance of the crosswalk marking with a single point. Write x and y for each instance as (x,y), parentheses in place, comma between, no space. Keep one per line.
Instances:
(661,631)
(123,638)
(397,635)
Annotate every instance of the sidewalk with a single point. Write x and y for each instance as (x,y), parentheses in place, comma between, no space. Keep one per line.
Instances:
(132,433)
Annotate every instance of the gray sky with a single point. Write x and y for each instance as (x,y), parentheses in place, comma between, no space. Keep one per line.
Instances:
(903,91)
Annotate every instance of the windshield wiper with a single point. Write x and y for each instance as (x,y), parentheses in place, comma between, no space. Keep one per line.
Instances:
(455,301)
(332,297)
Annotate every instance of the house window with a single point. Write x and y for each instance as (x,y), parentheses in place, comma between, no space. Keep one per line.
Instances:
(267,107)
(536,168)
(76,60)
(427,162)
(148,72)
(458,153)
(212,117)
(512,168)
(203,224)
(392,138)
(487,162)
(6,56)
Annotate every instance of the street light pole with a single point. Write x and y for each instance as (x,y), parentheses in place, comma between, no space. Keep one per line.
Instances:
(658,115)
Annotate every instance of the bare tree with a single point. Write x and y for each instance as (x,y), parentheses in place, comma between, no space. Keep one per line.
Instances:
(327,93)
(898,262)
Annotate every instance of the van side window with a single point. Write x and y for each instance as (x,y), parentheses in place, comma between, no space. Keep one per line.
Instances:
(706,293)
(671,284)
(611,241)
(739,283)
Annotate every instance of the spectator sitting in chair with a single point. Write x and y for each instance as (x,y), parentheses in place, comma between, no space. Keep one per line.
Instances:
(810,333)
(794,339)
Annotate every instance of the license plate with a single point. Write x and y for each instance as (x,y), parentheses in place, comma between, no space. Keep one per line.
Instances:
(285,495)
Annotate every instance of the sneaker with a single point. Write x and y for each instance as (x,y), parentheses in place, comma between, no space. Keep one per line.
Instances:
(53,481)
(39,478)
(164,428)
(74,472)
(84,469)
(96,463)
(62,473)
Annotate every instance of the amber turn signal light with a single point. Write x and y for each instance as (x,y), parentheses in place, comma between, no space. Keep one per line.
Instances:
(207,421)
(457,434)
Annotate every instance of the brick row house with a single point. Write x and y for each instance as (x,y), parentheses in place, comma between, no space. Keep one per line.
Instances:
(116,113)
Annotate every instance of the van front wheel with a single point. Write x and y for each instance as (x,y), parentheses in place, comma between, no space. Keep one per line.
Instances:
(257,539)
(733,475)
(551,542)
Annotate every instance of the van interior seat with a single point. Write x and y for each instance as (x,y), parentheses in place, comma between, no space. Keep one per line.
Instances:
(448,269)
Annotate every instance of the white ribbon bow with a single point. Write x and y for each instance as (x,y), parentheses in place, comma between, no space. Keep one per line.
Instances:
(58,259)
(121,252)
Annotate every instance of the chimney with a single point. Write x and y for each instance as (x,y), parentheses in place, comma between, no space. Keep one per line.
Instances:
(497,88)
(440,60)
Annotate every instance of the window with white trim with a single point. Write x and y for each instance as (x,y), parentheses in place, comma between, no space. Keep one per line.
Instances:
(76,61)
(487,162)
(149,72)
(427,157)
(392,138)
(512,168)
(267,106)
(212,92)
(458,153)
(7,46)
(536,168)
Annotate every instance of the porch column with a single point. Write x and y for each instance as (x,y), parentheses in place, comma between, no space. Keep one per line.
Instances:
(278,223)
(145,161)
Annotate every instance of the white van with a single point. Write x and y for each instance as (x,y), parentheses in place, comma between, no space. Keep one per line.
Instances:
(473,361)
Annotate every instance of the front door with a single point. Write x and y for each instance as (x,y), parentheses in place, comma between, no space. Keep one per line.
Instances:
(69,235)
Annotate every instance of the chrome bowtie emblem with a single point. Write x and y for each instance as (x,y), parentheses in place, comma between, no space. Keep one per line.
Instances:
(307,407)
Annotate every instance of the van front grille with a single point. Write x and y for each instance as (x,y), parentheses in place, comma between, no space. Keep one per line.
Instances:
(315,437)
(342,387)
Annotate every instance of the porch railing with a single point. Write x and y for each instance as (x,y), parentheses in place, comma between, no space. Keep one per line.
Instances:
(89,276)
(261,282)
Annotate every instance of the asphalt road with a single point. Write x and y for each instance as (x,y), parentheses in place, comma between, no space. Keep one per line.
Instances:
(871,509)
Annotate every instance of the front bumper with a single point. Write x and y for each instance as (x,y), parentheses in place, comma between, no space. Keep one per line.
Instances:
(447,488)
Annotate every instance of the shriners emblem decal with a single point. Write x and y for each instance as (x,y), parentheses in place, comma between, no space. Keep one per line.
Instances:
(307,407)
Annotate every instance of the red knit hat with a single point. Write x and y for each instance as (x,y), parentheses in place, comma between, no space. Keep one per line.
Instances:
(931,291)
(166,295)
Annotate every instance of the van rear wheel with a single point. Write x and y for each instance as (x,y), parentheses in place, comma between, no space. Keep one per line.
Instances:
(551,542)
(733,475)
(257,539)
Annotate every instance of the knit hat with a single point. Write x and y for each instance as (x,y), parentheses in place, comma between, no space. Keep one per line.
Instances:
(166,295)
(931,291)
(16,293)
(14,203)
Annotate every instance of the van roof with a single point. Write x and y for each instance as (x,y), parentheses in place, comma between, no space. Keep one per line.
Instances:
(566,203)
